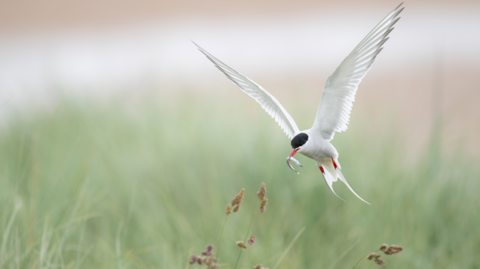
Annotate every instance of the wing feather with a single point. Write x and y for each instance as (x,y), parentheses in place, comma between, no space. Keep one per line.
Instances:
(269,103)
(339,92)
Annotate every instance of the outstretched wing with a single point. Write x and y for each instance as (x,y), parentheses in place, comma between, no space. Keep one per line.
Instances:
(338,95)
(265,99)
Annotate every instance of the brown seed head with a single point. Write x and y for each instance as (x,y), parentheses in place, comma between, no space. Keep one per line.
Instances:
(193,259)
(200,261)
(393,249)
(380,262)
(211,262)
(209,247)
(240,244)
(238,198)
(262,192)
(228,209)
(383,247)
(258,266)
(373,256)
(251,240)
(235,209)
(263,205)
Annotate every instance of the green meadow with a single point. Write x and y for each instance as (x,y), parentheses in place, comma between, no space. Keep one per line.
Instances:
(144,184)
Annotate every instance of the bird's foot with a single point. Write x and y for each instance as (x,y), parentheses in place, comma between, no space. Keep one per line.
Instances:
(321,169)
(334,163)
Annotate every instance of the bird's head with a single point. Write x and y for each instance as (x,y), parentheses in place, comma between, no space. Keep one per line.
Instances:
(298,142)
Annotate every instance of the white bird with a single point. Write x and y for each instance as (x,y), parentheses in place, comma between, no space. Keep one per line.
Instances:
(335,106)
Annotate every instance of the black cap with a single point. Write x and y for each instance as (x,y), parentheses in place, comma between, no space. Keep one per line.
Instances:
(299,140)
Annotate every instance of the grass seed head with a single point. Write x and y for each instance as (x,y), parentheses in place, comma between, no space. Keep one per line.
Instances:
(228,209)
(383,247)
(235,209)
(262,192)
(193,259)
(208,250)
(238,198)
(393,249)
(373,256)
(258,266)
(251,240)
(206,253)
(200,261)
(380,262)
(263,205)
(210,261)
(240,244)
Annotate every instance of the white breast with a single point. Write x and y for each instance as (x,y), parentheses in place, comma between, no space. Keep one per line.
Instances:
(318,148)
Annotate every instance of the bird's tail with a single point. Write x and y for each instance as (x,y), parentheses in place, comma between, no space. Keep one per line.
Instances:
(344,180)
(331,174)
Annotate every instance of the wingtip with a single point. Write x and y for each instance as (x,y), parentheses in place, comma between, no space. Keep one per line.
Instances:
(399,6)
(198,47)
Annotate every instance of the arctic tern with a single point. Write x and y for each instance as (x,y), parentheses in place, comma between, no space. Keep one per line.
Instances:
(335,106)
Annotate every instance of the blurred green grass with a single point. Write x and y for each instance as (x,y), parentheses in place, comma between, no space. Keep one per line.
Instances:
(145,186)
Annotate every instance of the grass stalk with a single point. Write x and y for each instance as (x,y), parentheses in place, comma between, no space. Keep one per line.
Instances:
(118,249)
(17,249)
(7,231)
(255,257)
(289,247)
(44,245)
(246,236)
(220,240)
(363,258)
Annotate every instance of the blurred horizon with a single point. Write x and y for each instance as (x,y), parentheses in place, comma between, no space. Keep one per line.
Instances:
(27,15)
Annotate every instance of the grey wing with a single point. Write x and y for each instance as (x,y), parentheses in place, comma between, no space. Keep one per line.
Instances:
(264,98)
(338,95)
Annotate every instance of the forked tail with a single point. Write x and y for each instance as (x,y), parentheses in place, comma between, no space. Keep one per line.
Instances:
(331,174)
(342,178)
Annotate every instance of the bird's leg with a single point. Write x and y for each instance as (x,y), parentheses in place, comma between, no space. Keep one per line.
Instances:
(334,163)
(329,182)
(321,169)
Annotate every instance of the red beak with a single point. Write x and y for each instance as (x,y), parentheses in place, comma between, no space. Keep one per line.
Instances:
(294,151)
(291,156)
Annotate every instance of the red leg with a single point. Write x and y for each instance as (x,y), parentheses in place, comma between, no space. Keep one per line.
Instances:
(334,163)
(321,169)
